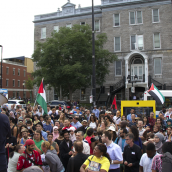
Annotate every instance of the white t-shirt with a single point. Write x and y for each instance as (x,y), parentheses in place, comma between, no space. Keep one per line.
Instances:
(146,163)
(50,112)
(116,119)
(13,162)
(93,125)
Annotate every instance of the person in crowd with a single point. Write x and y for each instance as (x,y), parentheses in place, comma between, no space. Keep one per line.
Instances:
(141,129)
(38,141)
(83,127)
(161,126)
(33,169)
(151,120)
(49,110)
(86,147)
(40,111)
(39,127)
(13,127)
(100,161)
(14,156)
(53,143)
(96,112)
(67,124)
(103,126)
(60,138)
(61,117)
(58,124)
(54,115)
(76,122)
(55,133)
(161,115)
(101,119)
(30,128)
(36,119)
(145,122)
(93,121)
(132,111)
(19,135)
(168,137)
(51,157)
(111,129)
(169,123)
(146,159)
(117,118)
(72,134)
(156,129)
(25,136)
(47,126)
(132,154)
(109,121)
(76,162)
(121,140)
(29,157)
(65,149)
(90,134)
(114,152)
(133,120)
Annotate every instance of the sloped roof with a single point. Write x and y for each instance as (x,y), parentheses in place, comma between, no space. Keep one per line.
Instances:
(68,4)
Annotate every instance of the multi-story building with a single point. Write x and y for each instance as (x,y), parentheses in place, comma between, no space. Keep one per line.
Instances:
(15,72)
(139,32)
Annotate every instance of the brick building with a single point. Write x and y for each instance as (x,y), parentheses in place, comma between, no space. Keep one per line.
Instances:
(15,72)
(139,32)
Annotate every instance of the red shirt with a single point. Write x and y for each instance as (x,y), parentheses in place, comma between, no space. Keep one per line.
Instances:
(88,138)
(24,162)
(67,127)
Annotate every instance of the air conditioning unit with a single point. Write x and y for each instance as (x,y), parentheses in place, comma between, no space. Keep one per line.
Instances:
(140,48)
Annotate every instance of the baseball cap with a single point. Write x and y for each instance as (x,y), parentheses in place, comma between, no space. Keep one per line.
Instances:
(33,169)
(29,142)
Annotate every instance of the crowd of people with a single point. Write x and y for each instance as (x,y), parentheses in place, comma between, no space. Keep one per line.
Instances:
(83,140)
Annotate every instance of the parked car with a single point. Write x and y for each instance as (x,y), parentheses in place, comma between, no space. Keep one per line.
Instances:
(16,102)
(55,103)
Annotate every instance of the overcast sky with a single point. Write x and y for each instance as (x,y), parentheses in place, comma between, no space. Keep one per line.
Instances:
(17,28)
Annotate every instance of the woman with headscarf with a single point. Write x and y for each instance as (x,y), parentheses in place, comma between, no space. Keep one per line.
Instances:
(158,139)
(55,133)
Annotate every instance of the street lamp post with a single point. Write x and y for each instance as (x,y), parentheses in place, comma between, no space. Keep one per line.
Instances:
(1,64)
(93,58)
(23,89)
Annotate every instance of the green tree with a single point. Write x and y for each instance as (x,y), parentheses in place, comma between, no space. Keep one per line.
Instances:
(29,85)
(65,59)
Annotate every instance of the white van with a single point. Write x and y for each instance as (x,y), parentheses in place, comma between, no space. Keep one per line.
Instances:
(168,99)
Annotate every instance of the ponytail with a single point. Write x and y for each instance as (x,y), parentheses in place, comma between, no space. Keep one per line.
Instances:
(47,145)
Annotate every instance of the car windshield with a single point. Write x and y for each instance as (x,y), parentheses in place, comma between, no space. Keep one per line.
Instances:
(21,102)
(56,103)
(11,102)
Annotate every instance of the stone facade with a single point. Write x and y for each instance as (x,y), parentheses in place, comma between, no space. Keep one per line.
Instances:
(148,54)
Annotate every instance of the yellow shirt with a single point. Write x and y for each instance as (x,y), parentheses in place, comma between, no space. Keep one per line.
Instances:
(97,164)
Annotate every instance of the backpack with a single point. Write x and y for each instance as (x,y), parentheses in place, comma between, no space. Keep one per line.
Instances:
(167,162)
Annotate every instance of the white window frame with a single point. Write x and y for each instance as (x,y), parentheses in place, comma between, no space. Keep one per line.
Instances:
(69,24)
(18,83)
(121,68)
(24,73)
(159,40)
(99,25)
(120,44)
(154,65)
(135,18)
(136,37)
(8,70)
(14,71)
(82,24)
(153,16)
(55,29)
(6,82)
(18,72)
(14,83)
(114,20)
(42,35)
(14,94)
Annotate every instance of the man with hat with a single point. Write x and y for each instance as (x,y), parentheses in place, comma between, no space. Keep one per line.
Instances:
(96,111)
(24,132)
(65,148)
(30,156)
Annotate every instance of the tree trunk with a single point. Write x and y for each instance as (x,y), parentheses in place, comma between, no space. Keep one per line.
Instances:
(70,93)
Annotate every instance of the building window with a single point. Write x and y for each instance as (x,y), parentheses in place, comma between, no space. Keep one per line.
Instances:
(18,83)
(56,28)
(7,82)
(13,82)
(137,42)
(69,25)
(157,43)
(14,94)
(155,15)
(18,72)
(116,19)
(83,96)
(13,71)
(157,66)
(18,94)
(136,17)
(117,44)
(7,70)
(118,68)
(24,73)
(82,23)
(97,25)
(43,33)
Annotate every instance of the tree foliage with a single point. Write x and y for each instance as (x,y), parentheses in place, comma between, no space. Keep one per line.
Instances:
(29,84)
(66,59)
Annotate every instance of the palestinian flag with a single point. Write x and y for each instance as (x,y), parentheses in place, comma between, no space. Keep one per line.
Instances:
(156,94)
(41,98)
